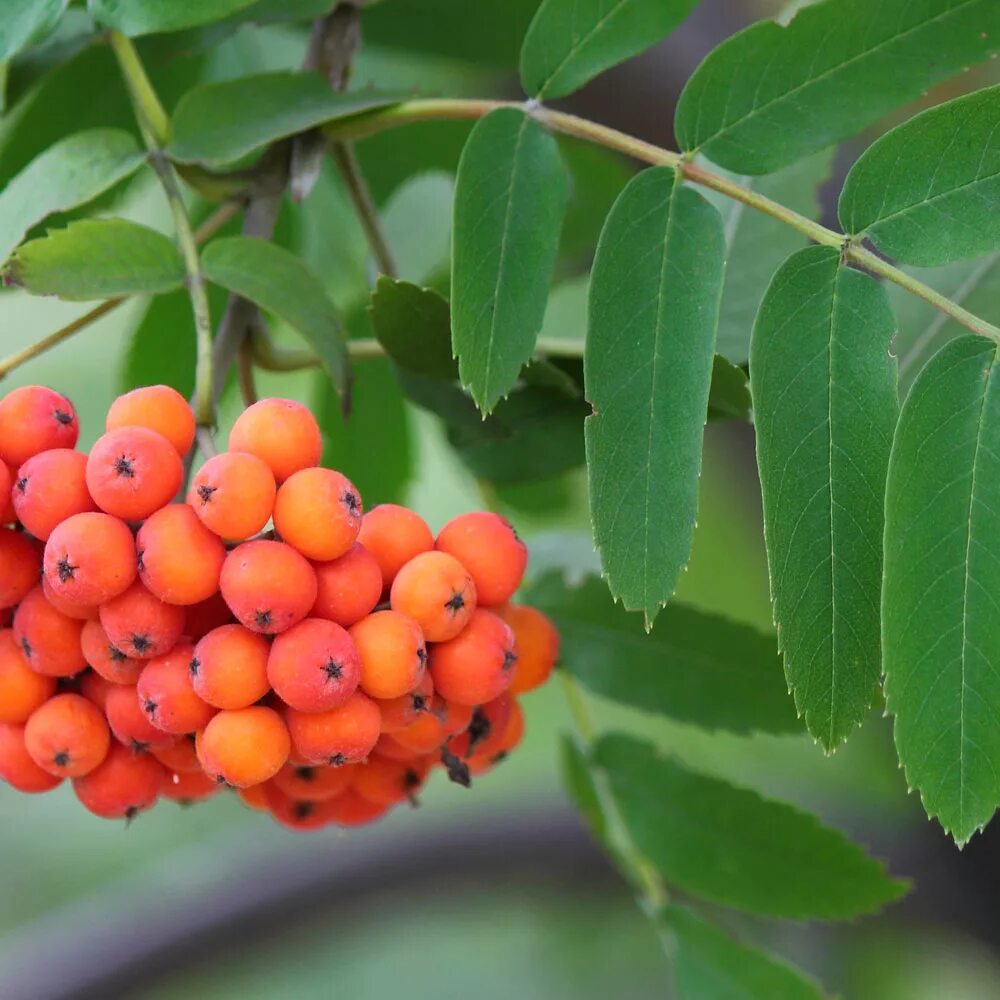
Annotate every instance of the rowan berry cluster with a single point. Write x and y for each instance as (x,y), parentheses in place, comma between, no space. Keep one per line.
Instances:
(267,635)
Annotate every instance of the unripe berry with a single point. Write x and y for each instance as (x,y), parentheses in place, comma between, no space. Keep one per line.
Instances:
(158,408)
(281,432)
(314,666)
(179,558)
(394,535)
(343,735)
(392,652)
(268,586)
(68,736)
(244,747)
(90,558)
(123,786)
(22,690)
(476,666)
(133,471)
(50,487)
(436,591)
(233,494)
(228,667)
(140,624)
(488,547)
(34,419)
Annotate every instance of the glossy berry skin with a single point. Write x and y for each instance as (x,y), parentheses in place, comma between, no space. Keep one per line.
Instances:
(233,494)
(179,558)
(34,419)
(17,767)
(436,591)
(343,735)
(476,666)
(123,786)
(49,488)
(314,666)
(130,725)
(228,667)
(19,564)
(132,472)
(22,690)
(347,588)
(487,546)
(140,624)
(105,658)
(280,432)
(309,783)
(68,736)
(90,558)
(167,696)
(392,651)
(244,747)
(537,646)
(394,535)
(268,586)
(48,639)
(158,408)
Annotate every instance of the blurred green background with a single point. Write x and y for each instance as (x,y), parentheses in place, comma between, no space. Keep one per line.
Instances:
(460,919)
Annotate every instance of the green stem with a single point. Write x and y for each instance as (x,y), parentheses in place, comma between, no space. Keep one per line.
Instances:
(364,206)
(408,112)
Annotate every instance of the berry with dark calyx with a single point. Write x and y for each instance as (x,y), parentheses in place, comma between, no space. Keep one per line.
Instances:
(34,419)
(314,666)
(123,785)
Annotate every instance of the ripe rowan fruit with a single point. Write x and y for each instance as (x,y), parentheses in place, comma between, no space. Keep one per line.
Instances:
(228,667)
(180,757)
(309,783)
(50,487)
(95,688)
(281,432)
(436,591)
(386,782)
(179,558)
(394,535)
(7,513)
(392,651)
(342,735)
(398,713)
(34,419)
(244,747)
(187,787)
(82,612)
(49,640)
(351,809)
(140,624)
(68,736)
(537,642)
(295,813)
(158,408)
(233,494)
(314,666)
(90,558)
(485,732)
(123,786)
(133,471)
(167,696)
(347,588)
(389,747)
(268,586)
(105,658)
(477,665)
(454,718)
(488,547)
(18,768)
(424,735)
(22,690)
(130,725)
(318,511)
(201,618)
(19,565)
(253,797)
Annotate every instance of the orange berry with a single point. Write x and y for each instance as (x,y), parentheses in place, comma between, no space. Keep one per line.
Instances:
(130,724)
(49,640)
(167,696)
(22,690)
(158,408)
(123,786)
(537,646)
(351,809)
(392,651)
(244,747)
(140,624)
(268,586)
(347,588)
(314,666)
(83,612)
(17,767)
(488,547)
(179,758)
(186,787)
(318,512)
(201,618)
(398,713)
(254,797)
(435,590)
(179,558)
(454,718)
(233,494)
(280,432)
(394,535)
(386,782)
(90,558)
(422,736)
(105,657)
(133,471)
(389,747)
(7,513)
(34,419)
(296,813)
(68,736)
(343,735)
(95,688)
(19,565)
(229,667)
(308,783)
(485,731)
(50,487)
(476,666)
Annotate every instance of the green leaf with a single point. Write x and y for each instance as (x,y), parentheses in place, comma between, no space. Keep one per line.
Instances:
(510,195)
(941,618)
(22,24)
(277,281)
(654,303)
(770,95)
(695,666)
(571,41)
(580,782)
(824,392)
(711,965)
(729,845)
(145,17)
(70,173)
(729,395)
(217,123)
(928,192)
(97,259)
(413,324)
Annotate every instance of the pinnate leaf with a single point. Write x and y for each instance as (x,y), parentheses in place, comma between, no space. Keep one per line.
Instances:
(928,192)
(654,305)
(412,324)
(771,95)
(97,259)
(510,196)
(146,17)
(571,41)
(941,613)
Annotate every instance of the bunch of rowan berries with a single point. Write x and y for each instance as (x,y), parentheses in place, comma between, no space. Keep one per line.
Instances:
(267,635)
